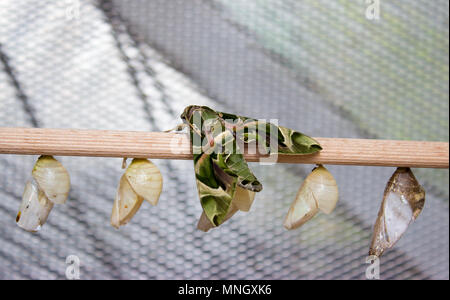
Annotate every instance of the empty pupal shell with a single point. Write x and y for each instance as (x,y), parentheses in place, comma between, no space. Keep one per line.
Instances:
(34,209)
(242,201)
(126,204)
(319,191)
(145,179)
(142,180)
(324,188)
(403,201)
(302,209)
(52,178)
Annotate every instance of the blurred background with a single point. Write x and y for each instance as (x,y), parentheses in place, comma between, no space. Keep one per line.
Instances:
(320,67)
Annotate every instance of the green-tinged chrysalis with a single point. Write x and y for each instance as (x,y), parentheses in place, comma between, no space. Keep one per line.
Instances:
(319,191)
(142,181)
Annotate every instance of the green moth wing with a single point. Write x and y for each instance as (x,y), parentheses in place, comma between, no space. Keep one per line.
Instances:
(220,167)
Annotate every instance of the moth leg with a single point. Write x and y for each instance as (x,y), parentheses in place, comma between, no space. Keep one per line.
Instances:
(178,128)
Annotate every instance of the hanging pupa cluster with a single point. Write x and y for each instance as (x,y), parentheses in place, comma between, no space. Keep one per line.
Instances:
(403,199)
(319,192)
(50,185)
(141,181)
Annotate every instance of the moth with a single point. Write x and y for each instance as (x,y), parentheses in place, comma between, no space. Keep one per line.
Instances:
(218,140)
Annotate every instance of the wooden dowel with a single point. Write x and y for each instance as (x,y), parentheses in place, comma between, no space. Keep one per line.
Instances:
(158,145)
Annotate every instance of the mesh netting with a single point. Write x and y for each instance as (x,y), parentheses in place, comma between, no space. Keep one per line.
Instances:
(318,66)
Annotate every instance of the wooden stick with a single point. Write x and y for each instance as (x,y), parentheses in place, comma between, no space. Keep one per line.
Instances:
(336,151)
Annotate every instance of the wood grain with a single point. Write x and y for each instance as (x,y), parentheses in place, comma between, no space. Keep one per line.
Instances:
(158,145)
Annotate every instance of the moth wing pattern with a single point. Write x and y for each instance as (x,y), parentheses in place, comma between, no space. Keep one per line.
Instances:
(215,187)
(288,141)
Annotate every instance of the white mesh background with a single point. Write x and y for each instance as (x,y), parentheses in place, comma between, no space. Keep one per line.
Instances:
(318,66)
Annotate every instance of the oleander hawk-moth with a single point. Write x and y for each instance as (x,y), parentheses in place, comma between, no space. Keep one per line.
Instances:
(220,168)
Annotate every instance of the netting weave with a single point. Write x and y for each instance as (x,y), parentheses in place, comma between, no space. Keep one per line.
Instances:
(320,67)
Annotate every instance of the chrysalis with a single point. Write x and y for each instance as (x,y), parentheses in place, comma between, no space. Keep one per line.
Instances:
(403,201)
(319,191)
(51,184)
(142,180)
(34,209)
(52,178)
(145,179)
